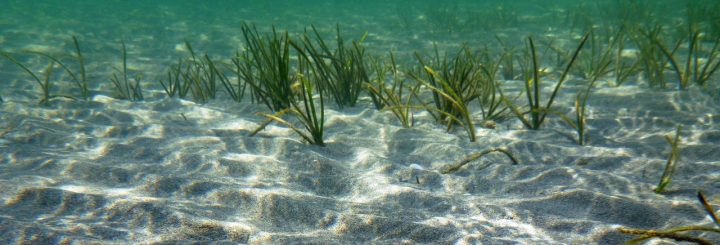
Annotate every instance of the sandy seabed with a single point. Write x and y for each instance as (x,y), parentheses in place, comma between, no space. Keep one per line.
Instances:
(173,171)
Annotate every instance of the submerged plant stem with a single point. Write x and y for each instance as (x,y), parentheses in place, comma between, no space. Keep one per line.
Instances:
(474,156)
(671,162)
(647,234)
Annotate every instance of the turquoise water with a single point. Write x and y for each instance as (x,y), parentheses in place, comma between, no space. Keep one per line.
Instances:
(155,27)
(166,170)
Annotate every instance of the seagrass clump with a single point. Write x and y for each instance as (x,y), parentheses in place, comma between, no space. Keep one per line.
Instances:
(341,72)
(397,96)
(454,82)
(303,107)
(538,111)
(266,67)
(198,76)
(653,60)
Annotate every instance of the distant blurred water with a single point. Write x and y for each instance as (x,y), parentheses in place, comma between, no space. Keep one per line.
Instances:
(156,30)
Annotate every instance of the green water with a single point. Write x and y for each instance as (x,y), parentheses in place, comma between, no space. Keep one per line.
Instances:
(153,29)
(397,22)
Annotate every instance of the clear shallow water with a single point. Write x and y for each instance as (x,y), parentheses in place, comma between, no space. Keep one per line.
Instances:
(166,170)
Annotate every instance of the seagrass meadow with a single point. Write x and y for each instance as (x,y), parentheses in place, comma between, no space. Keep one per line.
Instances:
(359,122)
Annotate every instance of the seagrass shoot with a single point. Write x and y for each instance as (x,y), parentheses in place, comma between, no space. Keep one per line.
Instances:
(594,63)
(581,114)
(45,84)
(174,85)
(624,65)
(341,72)
(236,90)
(694,57)
(198,76)
(538,112)
(671,162)
(124,88)
(309,115)
(395,97)
(700,63)
(453,86)
(472,157)
(456,110)
(490,98)
(266,67)
(653,60)
(79,77)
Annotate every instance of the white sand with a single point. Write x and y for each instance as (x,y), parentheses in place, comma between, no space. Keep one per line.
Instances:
(113,171)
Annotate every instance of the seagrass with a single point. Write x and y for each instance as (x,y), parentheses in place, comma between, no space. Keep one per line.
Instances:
(472,157)
(124,88)
(341,72)
(44,83)
(678,233)
(267,70)
(652,57)
(395,97)
(537,111)
(671,162)
(454,108)
(454,83)
(310,116)
(81,81)
(700,64)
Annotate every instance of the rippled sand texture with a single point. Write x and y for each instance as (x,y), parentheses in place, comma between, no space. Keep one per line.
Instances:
(168,171)
(111,170)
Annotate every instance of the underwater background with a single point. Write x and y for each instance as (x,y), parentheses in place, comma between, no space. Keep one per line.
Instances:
(153,28)
(108,169)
